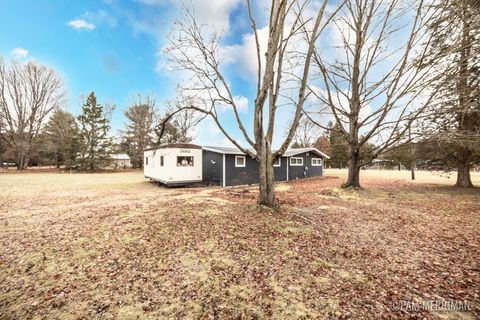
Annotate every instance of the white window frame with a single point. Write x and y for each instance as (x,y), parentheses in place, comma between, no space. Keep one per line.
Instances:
(296,164)
(279,164)
(239,165)
(316,162)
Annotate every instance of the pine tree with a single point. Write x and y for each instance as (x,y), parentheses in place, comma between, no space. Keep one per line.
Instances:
(339,147)
(456,114)
(139,131)
(60,139)
(95,141)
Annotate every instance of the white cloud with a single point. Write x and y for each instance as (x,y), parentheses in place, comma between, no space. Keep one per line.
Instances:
(245,54)
(19,53)
(100,17)
(242,103)
(80,24)
(215,13)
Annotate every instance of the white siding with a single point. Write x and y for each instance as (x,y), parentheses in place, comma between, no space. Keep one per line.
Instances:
(170,172)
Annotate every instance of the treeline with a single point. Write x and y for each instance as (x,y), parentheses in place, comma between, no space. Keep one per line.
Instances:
(35,130)
(427,152)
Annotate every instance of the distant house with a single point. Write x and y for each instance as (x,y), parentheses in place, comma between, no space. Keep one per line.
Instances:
(382,164)
(187,163)
(120,160)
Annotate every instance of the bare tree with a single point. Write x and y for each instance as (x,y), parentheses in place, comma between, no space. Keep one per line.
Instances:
(375,87)
(183,121)
(307,133)
(195,50)
(28,93)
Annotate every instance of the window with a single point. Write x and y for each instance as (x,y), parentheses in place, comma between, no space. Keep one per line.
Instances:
(184,161)
(161,161)
(277,162)
(239,161)
(146,161)
(296,161)
(316,162)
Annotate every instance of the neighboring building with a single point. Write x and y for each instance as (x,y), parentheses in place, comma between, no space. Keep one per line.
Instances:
(382,164)
(188,163)
(120,160)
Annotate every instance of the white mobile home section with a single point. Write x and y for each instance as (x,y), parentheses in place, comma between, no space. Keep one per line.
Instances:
(174,164)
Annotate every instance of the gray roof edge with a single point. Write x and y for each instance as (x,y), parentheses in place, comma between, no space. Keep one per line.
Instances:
(293,152)
(288,153)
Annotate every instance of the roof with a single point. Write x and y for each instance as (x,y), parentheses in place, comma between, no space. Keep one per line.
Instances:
(120,156)
(225,150)
(295,151)
(176,145)
(288,153)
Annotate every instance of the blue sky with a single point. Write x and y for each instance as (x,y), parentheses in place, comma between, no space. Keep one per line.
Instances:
(113,47)
(108,55)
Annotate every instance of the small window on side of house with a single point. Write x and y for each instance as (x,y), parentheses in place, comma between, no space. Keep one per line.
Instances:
(240,161)
(296,161)
(146,161)
(161,161)
(316,162)
(277,162)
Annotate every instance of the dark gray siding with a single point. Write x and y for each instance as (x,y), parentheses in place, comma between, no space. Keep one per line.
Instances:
(280,173)
(240,175)
(301,172)
(314,171)
(213,172)
(212,167)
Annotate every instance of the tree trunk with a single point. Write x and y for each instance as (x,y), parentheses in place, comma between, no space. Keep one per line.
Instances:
(21,160)
(353,180)
(464,156)
(26,160)
(463,176)
(412,169)
(266,195)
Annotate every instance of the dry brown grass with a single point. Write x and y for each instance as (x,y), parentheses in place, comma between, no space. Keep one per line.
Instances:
(421,177)
(113,246)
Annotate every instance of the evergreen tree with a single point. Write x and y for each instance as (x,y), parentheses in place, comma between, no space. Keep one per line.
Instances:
(339,147)
(60,139)
(456,114)
(139,131)
(94,139)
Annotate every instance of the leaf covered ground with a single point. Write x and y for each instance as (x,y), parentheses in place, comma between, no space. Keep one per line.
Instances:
(114,246)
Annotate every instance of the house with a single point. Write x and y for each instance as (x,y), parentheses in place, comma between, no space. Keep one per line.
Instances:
(382,164)
(120,160)
(186,163)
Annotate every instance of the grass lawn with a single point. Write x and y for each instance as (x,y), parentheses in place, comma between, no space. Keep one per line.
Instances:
(114,246)
(421,177)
